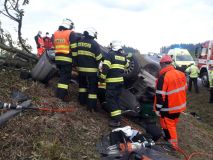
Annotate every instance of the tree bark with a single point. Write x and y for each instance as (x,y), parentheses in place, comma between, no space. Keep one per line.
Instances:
(20,53)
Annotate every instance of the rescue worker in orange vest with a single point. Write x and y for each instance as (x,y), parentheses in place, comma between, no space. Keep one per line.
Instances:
(113,70)
(40,44)
(88,58)
(64,41)
(170,98)
(47,42)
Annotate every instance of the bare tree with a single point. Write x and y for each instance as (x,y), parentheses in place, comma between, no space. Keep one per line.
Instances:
(12,10)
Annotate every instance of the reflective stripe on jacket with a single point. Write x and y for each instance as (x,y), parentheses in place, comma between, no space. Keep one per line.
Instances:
(170,91)
(193,71)
(113,67)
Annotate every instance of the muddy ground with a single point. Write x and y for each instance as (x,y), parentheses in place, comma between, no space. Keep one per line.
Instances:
(73,136)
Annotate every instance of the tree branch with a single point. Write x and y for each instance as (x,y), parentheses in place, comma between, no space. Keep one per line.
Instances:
(4,14)
(19,53)
(8,13)
(19,13)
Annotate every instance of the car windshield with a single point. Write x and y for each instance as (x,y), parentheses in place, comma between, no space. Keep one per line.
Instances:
(184,58)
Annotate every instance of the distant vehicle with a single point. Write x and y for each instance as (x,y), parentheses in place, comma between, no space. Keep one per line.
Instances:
(181,57)
(204,53)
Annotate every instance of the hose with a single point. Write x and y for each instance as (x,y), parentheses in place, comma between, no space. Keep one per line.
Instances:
(181,151)
(59,110)
(200,153)
(21,107)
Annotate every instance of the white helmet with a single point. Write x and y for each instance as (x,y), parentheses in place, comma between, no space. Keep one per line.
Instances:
(40,32)
(67,23)
(91,32)
(116,45)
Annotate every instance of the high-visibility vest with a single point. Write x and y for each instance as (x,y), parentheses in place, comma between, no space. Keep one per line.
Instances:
(193,71)
(61,41)
(170,91)
(211,78)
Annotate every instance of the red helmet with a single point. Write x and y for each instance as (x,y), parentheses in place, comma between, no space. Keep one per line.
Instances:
(166,59)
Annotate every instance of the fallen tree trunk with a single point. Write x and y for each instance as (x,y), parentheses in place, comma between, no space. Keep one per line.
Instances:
(20,53)
(13,62)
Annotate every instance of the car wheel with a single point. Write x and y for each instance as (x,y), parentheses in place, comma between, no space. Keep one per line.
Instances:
(134,67)
(204,79)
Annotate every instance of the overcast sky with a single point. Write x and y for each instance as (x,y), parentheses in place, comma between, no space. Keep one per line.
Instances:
(143,24)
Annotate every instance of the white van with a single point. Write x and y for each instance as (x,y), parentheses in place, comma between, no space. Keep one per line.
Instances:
(181,57)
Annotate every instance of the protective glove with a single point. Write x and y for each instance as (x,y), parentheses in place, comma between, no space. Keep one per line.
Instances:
(157,113)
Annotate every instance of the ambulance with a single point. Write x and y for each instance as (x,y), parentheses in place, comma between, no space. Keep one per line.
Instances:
(181,57)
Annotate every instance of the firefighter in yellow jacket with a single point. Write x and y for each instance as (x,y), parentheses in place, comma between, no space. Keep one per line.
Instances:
(193,72)
(112,73)
(64,41)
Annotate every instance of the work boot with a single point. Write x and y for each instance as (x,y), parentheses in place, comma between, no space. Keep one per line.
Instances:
(114,123)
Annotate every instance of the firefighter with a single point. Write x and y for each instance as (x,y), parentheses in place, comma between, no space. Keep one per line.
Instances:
(47,42)
(88,58)
(64,41)
(170,98)
(113,70)
(211,83)
(39,43)
(193,72)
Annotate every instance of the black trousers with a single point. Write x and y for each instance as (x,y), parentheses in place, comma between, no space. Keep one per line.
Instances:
(211,95)
(101,95)
(113,92)
(64,80)
(88,87)
(102,99)
(193,80)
